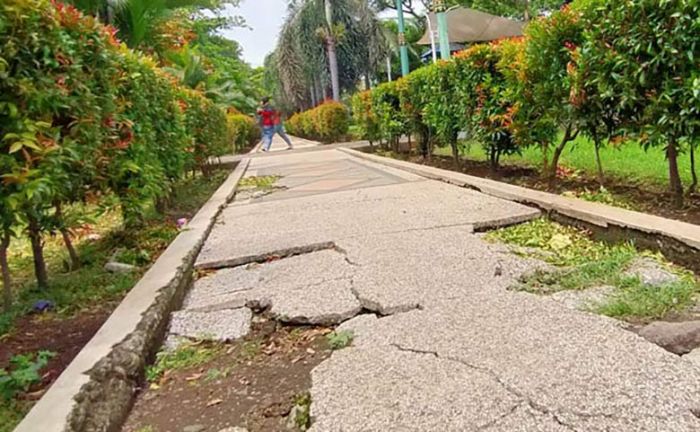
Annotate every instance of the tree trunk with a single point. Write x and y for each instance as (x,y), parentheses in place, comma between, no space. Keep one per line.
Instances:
(313,95)
(673,174)
(42,277)
(455,154)
(493,161)
(554,164)
(368,83)
(74,258)
(693,172)
(5,267)
(332,56)
(545,158)
(526,12)
(599,163)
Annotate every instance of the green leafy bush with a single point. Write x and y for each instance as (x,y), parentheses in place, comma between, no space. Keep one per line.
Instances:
(81,115)
(328,122)
(615,71)
(365,117)
(22,373)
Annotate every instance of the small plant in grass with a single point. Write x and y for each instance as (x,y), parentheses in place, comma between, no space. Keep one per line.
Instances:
(263,183)
(22,373)
(302,413)
(187,355)
(340,339)
(251,349)
(215,374)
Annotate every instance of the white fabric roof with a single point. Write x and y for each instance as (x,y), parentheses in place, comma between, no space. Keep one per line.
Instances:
(469,25)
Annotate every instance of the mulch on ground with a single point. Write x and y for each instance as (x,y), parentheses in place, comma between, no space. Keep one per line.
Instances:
(258,382)
(642,197)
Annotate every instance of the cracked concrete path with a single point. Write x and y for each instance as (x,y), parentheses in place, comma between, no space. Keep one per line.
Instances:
(440,343)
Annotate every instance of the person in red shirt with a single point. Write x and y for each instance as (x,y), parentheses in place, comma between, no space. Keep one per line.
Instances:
(271,123)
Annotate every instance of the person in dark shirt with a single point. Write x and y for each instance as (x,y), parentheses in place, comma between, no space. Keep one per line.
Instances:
(271,123)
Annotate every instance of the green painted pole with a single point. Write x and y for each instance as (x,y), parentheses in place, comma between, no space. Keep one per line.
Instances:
(402,40)
(440,10)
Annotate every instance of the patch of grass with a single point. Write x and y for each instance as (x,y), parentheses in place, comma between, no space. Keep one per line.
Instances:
(303,411)
(215,374)
(565,246)
(262,183)
(339,340)
(636,300)
(185,356)
(146,429)
(628,161)
(583,263)
(11,413)
(251,349)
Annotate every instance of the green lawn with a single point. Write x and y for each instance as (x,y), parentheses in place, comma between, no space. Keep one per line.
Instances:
(629,161)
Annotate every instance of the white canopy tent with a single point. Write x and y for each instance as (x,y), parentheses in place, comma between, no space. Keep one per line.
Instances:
(469,25)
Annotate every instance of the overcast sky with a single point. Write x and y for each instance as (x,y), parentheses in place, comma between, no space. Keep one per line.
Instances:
(266,18)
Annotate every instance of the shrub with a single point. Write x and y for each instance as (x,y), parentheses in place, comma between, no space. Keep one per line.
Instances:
(364,116)
(243,131)
(80,113)
(387,107)
(638,67)
(328,122)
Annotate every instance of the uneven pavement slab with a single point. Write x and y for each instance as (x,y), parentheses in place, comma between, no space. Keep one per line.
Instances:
(254,230)
(573,369)
(449,347)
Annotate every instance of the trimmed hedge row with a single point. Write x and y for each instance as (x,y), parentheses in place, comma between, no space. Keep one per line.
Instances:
(82,115)
(595,68)
(328,122)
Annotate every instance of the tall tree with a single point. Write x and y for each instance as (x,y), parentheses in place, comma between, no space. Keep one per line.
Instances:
(303,60)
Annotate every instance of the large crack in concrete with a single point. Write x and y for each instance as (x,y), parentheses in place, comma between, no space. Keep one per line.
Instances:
(524,399)
(266,257)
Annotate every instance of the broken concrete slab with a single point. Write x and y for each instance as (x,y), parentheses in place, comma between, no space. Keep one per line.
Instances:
(391,390)
(676,337)
(327,303)
(313,288)
(398,272)
(224,325)
(575,369)
(332,217)
(650,272)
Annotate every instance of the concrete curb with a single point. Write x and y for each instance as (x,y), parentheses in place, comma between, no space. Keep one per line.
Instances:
(95,392)
(680,241)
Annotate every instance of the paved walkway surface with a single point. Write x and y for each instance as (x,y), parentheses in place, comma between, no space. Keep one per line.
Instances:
(440,343)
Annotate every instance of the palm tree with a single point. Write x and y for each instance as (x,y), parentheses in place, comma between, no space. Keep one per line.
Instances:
(326,44)
(330,46)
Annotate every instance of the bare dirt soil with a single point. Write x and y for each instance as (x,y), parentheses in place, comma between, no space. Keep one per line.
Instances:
(257,381)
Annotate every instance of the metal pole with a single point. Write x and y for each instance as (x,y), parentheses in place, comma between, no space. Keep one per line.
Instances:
(433,48)
(440,8)
(402,40)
